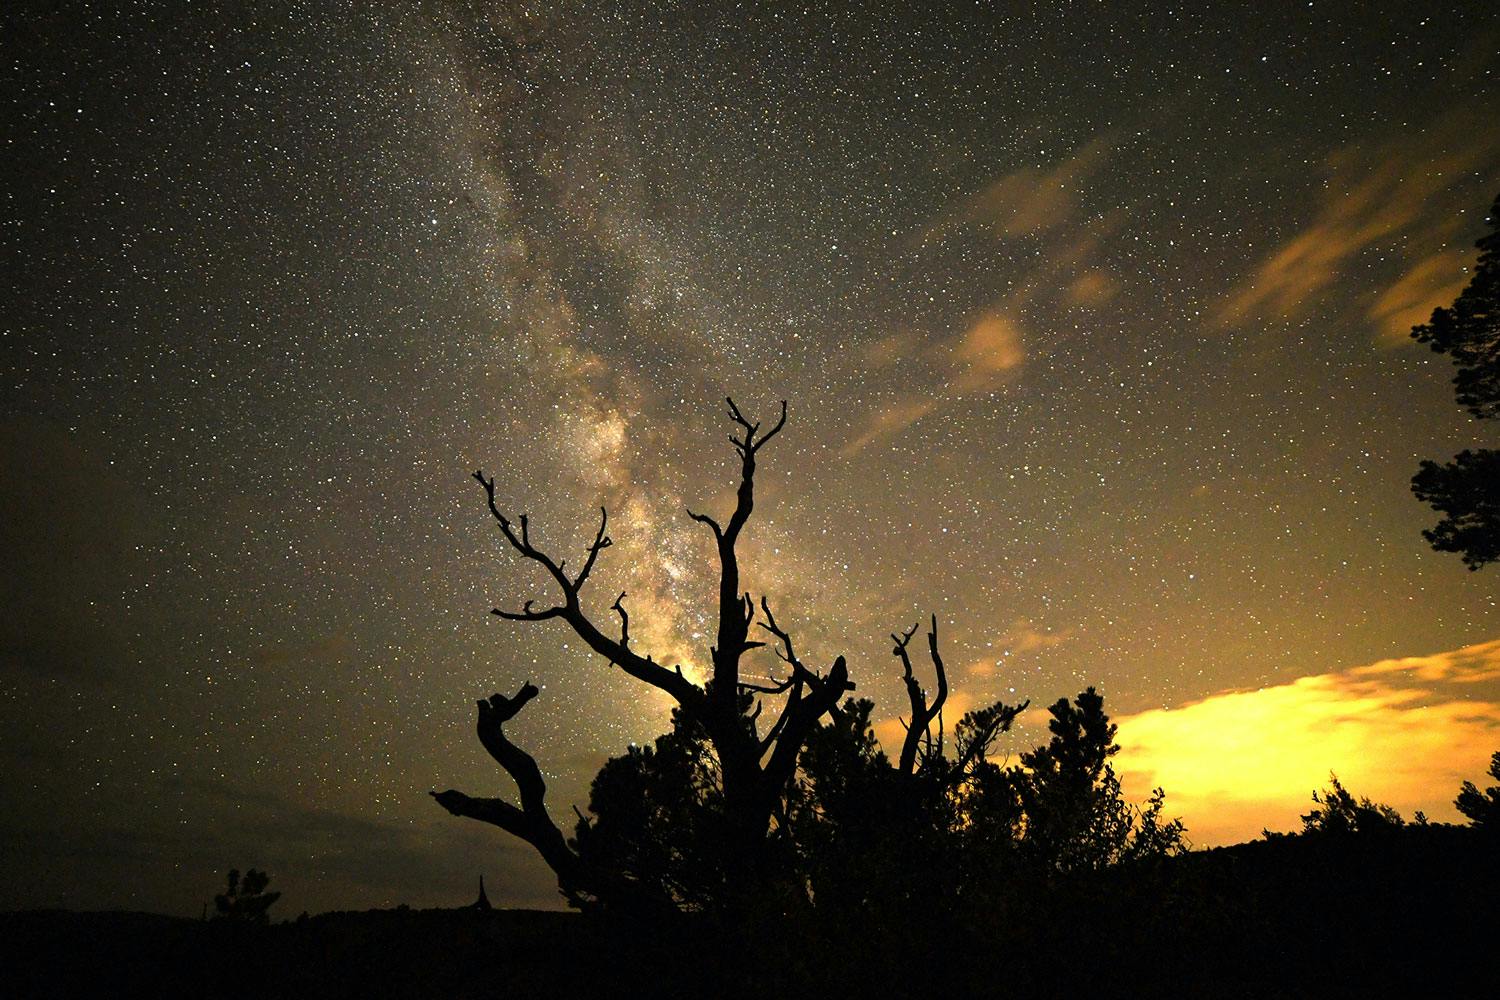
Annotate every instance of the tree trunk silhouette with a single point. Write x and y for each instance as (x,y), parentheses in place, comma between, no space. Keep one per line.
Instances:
(919,740)
(755,769)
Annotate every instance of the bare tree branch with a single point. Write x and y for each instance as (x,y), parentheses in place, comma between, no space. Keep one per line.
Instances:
(731,640)
(824,692)
(531,822)
(601,542)
(496,812)
(915,698)
(526,614)
(801,713)
(775,687)
(919,732)
(706,519)
(751,443)
(643,668)
(522,542)
(789,656)
(936,708)
(774,733)
(687,694)
(619,606)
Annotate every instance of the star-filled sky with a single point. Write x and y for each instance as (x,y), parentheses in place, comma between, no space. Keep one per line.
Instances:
(1091,319)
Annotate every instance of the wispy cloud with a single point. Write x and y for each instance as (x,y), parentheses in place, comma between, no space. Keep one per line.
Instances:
(983,352)
(1392,193)
(978,359)
(888,420)
(1403,731)
(1092,289)
(1435,280)
(1022,638)
(989,348)
(1028,200)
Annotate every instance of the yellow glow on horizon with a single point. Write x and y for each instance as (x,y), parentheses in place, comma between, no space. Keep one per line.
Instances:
(1405,732)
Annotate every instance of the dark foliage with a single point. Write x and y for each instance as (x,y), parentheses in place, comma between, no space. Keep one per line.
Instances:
(1466,491)
(1469,330)
(656,825)
(1482,808)
(246,900)
(1074,814)
(1338,812)
(857,835)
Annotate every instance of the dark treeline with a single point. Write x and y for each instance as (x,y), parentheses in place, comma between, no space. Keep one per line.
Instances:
(1396,911)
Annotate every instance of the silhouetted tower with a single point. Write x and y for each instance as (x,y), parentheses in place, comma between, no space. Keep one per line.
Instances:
(483,902)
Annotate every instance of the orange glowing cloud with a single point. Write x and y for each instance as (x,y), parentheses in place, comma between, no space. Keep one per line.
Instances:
(1092,289)
(990,347)
(977,360)
(1398,191)
(1030,199)
(1020,639)
(1403,731)
(1434,281)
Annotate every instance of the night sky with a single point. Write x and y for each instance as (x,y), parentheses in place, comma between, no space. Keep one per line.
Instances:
(1091,319)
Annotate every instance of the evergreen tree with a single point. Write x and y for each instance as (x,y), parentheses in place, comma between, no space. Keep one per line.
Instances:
(1069,804)
(1466,491)
(1482,808)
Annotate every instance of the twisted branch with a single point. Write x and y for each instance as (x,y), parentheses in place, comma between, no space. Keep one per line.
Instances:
(919,730)
(531,822)
(687,694)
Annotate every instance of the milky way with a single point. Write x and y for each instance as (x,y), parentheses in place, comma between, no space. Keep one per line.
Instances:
(1091,322)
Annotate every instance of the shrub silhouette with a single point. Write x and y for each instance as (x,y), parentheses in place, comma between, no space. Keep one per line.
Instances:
(1339,812)
(656,825)
(246,900)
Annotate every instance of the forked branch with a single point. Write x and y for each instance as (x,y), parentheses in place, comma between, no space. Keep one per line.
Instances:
(687,694)
(919,729)
(751,443)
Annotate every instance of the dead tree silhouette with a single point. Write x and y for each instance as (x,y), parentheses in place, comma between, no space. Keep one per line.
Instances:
(755,767)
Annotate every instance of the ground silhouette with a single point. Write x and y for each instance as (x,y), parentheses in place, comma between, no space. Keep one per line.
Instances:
(1400,912)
